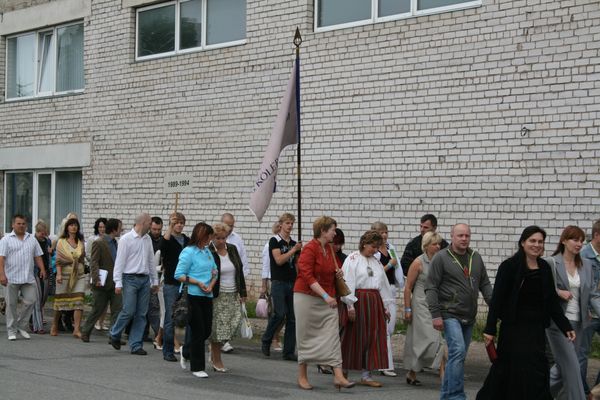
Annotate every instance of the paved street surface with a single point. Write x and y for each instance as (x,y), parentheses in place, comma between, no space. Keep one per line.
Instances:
(65,368)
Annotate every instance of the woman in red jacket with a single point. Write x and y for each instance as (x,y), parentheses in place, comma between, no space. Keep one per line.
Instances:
(315,306)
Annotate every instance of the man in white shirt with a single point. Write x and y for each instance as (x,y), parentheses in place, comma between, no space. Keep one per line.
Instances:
(134,275)
(238,242)
(18,252)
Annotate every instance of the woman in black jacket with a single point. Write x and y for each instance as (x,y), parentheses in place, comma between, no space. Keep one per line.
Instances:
(229,292)
(524,300)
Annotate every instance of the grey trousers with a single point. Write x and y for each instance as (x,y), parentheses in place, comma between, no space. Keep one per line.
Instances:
(102,298)
(30,295)
(565,374)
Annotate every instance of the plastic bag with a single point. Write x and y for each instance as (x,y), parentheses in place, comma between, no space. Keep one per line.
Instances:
(262,308)
(245,327)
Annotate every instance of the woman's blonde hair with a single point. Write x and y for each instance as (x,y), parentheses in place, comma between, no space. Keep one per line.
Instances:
(430,238)
(221,229)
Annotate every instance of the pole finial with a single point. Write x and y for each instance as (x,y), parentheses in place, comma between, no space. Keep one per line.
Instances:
(297,38)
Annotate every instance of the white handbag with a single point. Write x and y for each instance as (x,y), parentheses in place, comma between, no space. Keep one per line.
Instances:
(245,327)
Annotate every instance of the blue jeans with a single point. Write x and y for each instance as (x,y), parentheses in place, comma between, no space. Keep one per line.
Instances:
(170,294)
(586,346)
(458,338)
(282,294)
(136,295)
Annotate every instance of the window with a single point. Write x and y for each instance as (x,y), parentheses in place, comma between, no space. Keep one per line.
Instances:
(335,14)
(45,63)
(47,195)
(189,25)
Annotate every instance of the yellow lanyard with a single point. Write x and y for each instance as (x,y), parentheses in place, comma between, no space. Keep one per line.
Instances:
(466,271)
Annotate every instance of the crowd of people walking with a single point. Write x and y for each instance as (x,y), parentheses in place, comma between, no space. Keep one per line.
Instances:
(337,312)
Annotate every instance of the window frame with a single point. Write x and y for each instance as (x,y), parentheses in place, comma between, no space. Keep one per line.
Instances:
(413,13)
(35,197)
(37,64)
(203,45)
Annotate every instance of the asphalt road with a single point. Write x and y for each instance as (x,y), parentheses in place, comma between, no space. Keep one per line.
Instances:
(65,368)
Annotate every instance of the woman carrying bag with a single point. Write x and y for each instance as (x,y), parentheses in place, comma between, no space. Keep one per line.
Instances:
(315,306)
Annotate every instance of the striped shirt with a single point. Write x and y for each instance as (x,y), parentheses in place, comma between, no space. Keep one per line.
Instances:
(18,257)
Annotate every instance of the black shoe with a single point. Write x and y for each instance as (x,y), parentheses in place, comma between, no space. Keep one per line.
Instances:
(290,357)
(170,357)
(139,352)
(266,349)
(147,340)
(115,343)
(85,338)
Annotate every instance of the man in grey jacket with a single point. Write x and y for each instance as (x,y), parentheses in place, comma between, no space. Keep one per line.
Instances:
(456,277)
(591,252)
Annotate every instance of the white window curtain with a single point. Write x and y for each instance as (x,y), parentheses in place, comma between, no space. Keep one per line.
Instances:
(70,58)
(67,196)
(47,62)
(21,66)
(19,197)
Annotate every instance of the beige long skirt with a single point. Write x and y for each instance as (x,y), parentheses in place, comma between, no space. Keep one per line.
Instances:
(317,331)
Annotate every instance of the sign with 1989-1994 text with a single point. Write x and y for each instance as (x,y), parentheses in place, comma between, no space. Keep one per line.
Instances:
(179,183)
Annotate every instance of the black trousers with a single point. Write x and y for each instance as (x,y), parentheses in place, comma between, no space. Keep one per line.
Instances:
(200,312)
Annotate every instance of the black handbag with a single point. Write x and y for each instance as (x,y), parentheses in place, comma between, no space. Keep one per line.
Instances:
(180,309)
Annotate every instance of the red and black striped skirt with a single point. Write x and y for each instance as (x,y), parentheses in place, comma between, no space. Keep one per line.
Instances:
(364,341)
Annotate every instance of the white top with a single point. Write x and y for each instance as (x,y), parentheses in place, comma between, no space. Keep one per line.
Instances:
(18,257)
(398,271)
(266,262)
(572,312)
(356,273)
(227,274)
(238,242)
(135,255)
(88,247)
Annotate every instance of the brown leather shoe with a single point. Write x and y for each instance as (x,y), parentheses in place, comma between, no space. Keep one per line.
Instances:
(370,383)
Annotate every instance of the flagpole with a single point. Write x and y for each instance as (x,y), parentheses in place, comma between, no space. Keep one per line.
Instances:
(297,43)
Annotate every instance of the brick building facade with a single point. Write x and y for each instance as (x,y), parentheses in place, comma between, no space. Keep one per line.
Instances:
(486,112)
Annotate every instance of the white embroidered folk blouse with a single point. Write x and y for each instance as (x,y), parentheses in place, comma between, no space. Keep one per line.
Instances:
(361,272)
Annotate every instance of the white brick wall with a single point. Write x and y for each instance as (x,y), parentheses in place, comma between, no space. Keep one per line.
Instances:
(398,119)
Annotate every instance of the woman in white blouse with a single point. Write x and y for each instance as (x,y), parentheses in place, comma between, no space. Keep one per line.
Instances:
(573,278)
(364,341)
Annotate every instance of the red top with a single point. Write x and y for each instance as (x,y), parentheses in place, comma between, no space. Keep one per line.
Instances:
(314,266)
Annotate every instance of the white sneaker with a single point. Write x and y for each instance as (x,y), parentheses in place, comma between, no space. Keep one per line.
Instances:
(227,348)
(388,372)
(200,374)
(12,337)
(183,362)
(24,333)
(97,326)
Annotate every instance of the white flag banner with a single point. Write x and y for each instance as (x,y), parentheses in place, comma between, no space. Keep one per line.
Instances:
(283,134)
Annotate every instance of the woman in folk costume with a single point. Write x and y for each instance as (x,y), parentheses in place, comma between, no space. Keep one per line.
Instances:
(70,275)
(364,341)
(391,265)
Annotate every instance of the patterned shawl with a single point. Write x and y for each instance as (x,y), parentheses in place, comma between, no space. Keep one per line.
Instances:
(67,255)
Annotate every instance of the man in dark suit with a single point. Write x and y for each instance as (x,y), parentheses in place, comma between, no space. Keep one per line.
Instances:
(104,253)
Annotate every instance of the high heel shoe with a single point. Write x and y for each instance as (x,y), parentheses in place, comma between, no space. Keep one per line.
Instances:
(304,386)
(339,385)
(413,382)
(324,370)
(222,370)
